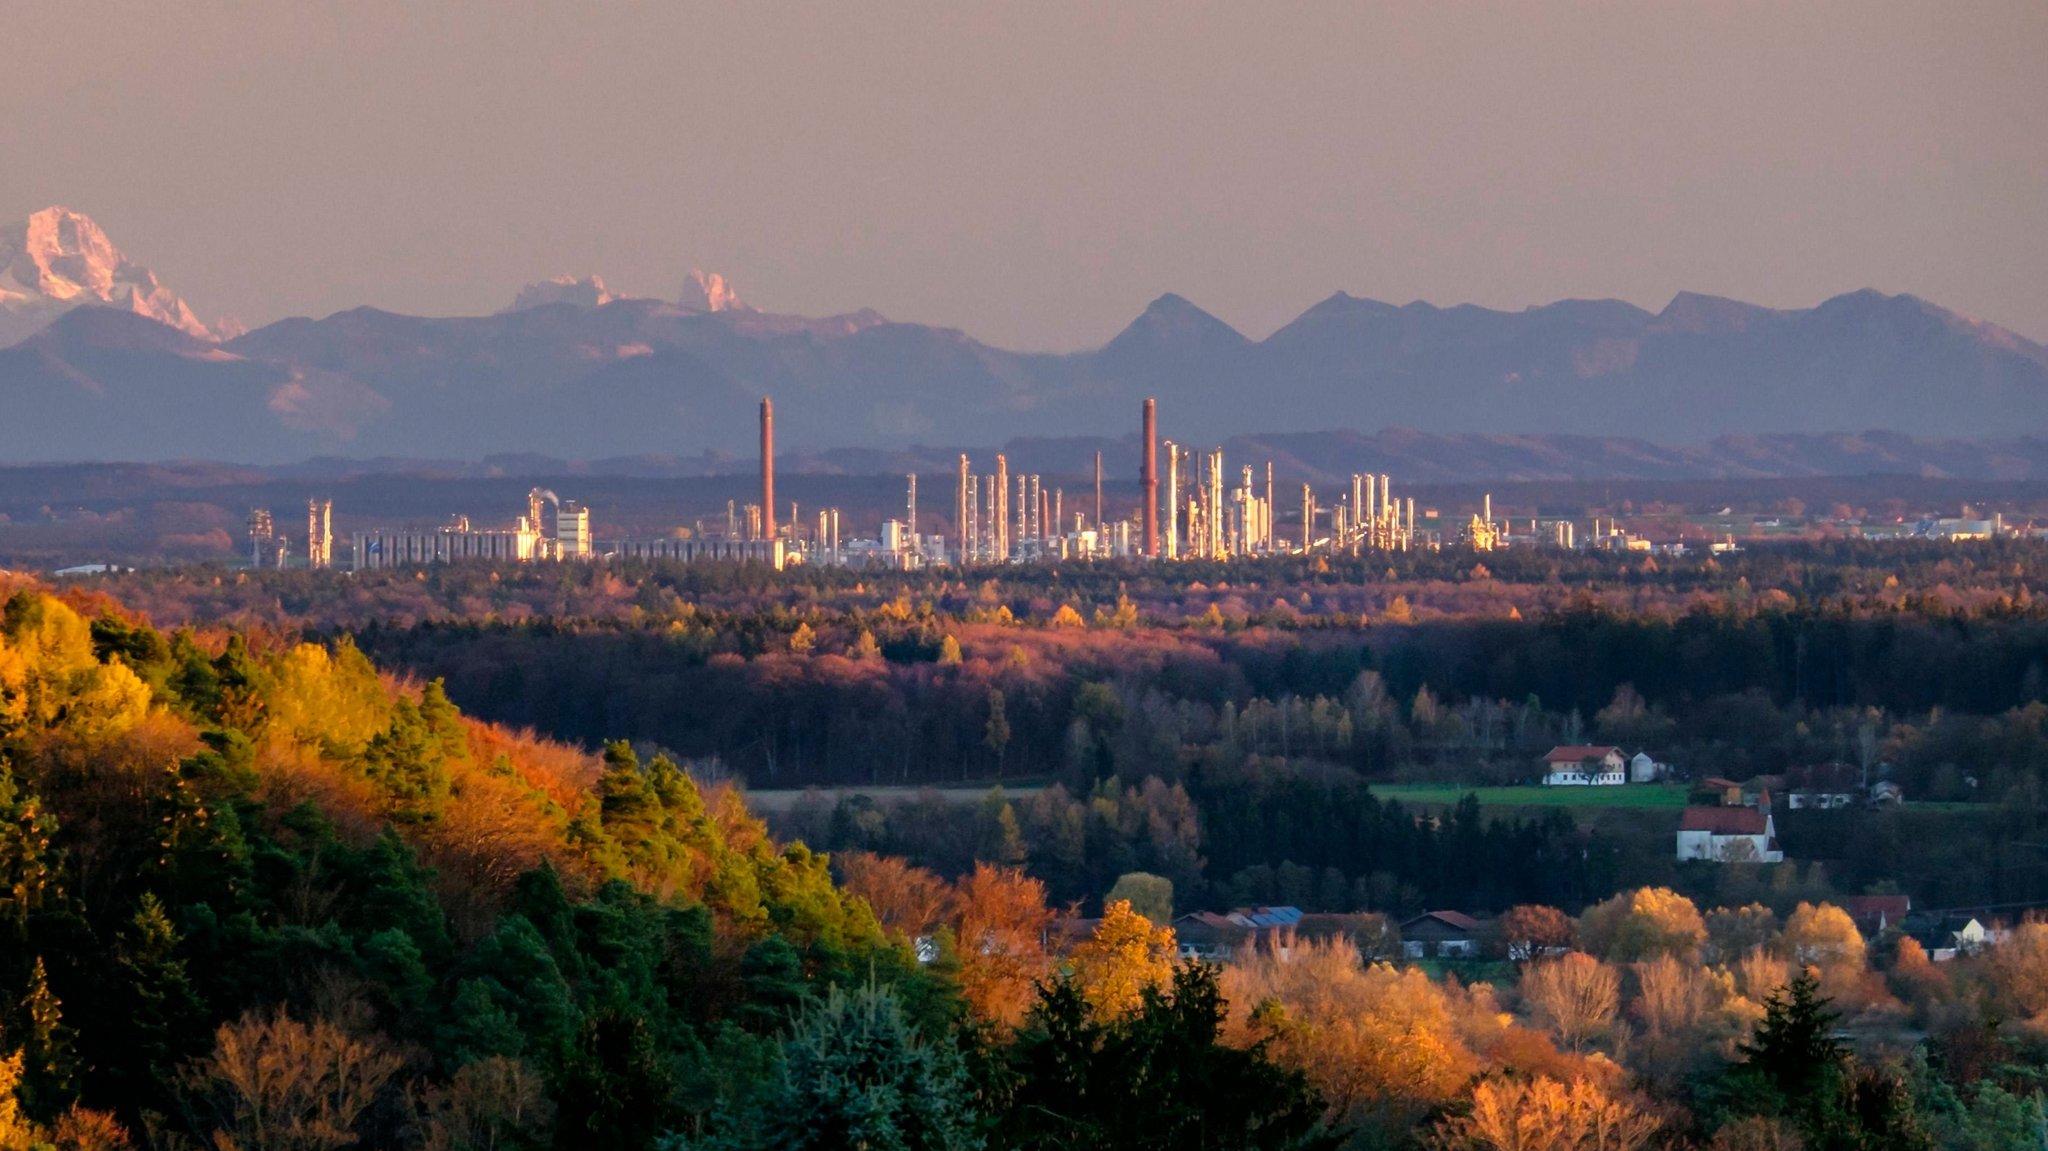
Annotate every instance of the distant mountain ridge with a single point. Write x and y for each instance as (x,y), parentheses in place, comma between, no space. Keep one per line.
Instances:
(578,373)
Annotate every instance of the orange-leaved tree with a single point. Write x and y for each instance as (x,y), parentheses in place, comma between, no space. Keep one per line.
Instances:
(908,900)
(999,925)
(1380,1045)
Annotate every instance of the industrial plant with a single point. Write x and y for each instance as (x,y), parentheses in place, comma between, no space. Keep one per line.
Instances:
(1202,511)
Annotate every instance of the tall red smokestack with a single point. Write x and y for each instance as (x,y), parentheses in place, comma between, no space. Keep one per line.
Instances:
(1150,475)
(767,468)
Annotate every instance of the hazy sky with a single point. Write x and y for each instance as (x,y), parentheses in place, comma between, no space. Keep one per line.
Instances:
(1035,172)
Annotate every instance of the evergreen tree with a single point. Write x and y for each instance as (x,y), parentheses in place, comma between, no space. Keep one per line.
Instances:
(158,1019)
(1794,1051)
(50,1076)
(1160,1079)
(615,1087)
(855,1073)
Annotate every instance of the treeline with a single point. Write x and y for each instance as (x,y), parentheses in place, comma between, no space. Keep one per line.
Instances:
(792,696)
(1936,579)
(1264,836)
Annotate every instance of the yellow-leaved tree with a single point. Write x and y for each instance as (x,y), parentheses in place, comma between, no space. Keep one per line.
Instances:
(108,699)
(1126,956)
(334,701)
(1823,934)
(53,646)
(13,688)
(1641,924)
(15,1129)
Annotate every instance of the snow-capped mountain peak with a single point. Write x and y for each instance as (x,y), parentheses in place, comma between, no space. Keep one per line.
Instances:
(58,259)
(708,292)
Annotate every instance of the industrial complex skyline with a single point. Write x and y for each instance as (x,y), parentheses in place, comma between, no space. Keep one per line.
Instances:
(998,517)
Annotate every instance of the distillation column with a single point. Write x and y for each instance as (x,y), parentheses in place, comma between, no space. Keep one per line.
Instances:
(1149,474)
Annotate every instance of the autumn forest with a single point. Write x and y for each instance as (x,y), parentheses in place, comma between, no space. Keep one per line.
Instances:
(715,857)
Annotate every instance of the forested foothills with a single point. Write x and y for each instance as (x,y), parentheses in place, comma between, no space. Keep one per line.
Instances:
(476,858)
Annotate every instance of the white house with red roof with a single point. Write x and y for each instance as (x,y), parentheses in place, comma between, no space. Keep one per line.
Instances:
(1729,835)
(1584,765)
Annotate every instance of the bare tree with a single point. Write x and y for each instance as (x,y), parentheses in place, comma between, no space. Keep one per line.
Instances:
(1574,995)
(273,1083)
(1542,1114)
(489,1105)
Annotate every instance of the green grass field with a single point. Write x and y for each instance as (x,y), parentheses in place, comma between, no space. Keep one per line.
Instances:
(1642,795)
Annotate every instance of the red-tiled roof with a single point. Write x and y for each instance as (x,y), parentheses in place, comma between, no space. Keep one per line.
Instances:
(1891,908)
(1725,820)
(1457,919)
(1578,753)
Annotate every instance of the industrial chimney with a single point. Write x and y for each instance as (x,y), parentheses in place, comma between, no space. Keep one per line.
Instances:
(767,468)
(1098,492)
(1150,475)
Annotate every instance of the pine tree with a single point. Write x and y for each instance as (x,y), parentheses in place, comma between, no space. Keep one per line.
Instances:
(165,1016)
(51,1071)
(1794,1047)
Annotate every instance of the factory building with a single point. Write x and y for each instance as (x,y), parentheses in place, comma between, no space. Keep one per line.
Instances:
(457,542)
(572,531)
(774,553)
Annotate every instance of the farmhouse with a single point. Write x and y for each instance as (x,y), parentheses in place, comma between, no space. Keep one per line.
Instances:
(1729,835)
(1575,765)
(1216,938)
(1442,935)
(1822,785)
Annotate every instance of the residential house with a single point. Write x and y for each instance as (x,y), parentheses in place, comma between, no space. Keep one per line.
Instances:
(1716,790)
(1441,935)
(1575,765)
(1884,792)
(1210,937)
(1875,914)
(1728,835)
(1643,769)
(1822,785)
(1950,936)
(1756,791)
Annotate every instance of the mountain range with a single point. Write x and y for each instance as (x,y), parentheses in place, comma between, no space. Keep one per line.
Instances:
(109,364)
